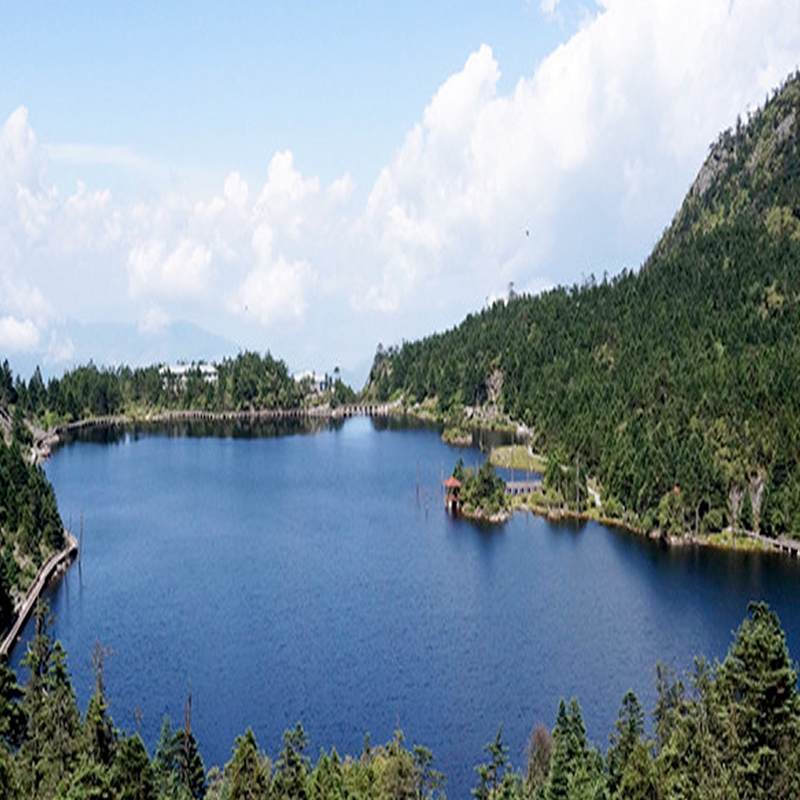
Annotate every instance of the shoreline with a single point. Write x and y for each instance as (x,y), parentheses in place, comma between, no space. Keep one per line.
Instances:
(46,441)
(57,564)
(51,439)
(763,544)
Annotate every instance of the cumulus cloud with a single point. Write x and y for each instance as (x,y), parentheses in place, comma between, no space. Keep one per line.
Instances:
(274,292)
(236,190)
(18,335)
(584,161)
(18,298)
(180,272)
(20,160)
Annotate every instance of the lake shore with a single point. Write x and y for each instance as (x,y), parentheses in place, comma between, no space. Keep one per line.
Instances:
(725,540)
(56,565)
(46,441)
(728,539)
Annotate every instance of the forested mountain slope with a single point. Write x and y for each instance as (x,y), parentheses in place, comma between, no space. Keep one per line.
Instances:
(678,386)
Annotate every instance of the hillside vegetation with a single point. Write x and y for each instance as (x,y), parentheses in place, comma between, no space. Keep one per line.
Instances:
(30,525)
(677,386)
(248,382)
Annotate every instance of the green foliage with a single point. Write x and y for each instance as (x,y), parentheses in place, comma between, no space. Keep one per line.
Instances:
(12,717)
(248,382)
(293,766)
(757,688)
(131,774)
(625,738)
(247,772)
(98,727)
(491,773)
(28,517)
(483,492)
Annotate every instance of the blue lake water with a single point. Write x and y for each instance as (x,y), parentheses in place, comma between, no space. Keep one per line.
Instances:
(307,577)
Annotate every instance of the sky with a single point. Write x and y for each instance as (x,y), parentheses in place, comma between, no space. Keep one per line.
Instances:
(315,178)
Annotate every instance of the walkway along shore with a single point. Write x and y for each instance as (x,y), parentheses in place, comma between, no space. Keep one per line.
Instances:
(45,441)
(57,563)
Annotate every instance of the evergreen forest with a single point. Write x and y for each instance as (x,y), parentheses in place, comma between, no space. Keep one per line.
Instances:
(676,386)
(247,382)
(31,528)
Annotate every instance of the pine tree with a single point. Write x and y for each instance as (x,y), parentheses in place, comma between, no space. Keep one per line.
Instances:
(12,716)
(292,769)
(132,776)
(491,772)
(628,731)
(246,771)
(98,727)
(757,686)
(558,784)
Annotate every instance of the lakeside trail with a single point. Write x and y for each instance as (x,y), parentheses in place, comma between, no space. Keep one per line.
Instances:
(45,441)
(57,563)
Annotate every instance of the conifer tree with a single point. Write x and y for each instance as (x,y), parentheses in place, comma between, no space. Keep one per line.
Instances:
(628,731)
(292,769)
(246,771)
(757,686)
(132,776)
(98,727)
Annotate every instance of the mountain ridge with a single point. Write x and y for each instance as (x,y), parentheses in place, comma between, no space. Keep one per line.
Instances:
(680,375)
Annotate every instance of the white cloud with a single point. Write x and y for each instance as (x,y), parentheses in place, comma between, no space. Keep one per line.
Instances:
(18,298)
(262,242)
(60,349)
(20,162)
(285,185)
(180,272)
(96,154)
(274,292)
(590,155)
(236,190)
(341,190)
(18,335)
(548,6)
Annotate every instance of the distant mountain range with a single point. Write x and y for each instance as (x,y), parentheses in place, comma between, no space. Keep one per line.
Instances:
(114,344)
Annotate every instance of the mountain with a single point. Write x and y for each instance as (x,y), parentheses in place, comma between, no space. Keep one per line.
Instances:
(111,344)
(677,386)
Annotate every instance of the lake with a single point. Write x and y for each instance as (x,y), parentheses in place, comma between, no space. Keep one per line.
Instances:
(314,576)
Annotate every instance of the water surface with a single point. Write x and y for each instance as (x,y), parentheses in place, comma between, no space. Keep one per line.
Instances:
(311,577)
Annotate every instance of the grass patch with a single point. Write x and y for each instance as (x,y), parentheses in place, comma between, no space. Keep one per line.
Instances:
(727,540)
(517,456)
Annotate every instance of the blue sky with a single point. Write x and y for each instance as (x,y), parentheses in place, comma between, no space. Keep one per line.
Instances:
(314,178)
(225,86)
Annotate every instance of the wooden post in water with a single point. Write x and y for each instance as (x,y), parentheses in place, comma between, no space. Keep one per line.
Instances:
(80,542)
